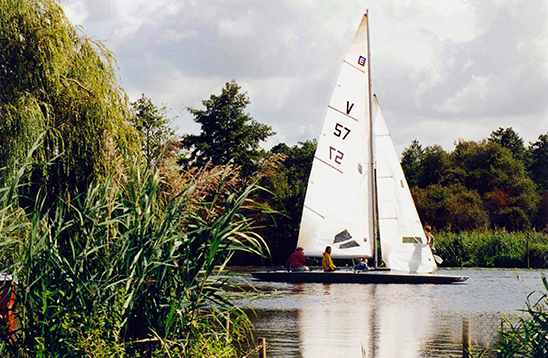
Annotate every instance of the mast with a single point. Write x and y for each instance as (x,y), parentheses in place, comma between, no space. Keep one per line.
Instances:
(371,149)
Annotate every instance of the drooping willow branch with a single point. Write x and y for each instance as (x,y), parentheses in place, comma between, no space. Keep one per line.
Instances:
(79,85)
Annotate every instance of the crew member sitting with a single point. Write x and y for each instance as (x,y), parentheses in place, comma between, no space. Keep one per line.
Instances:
(296,261)
(362,265)
(327,263)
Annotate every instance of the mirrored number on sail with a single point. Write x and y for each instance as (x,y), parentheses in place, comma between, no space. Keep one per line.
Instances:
(339,131)
(335,155)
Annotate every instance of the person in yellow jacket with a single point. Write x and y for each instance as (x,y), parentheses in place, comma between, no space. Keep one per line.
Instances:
(327,263)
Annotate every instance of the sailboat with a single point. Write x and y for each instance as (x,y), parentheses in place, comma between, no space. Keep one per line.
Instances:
(357,189)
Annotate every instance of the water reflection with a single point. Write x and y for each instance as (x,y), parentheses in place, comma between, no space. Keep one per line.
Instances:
(281,329)
(386,321)
(341,327)
(352,320)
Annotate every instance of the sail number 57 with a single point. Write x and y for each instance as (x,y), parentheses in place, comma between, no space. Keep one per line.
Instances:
(335,155)
(340,130)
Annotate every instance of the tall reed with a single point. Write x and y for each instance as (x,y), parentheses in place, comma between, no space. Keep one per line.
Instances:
(490,248)
(525,335)
(126,268)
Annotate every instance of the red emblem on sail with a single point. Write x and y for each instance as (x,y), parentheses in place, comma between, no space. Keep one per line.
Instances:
(361,61)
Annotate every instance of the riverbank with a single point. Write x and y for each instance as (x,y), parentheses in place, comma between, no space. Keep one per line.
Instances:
(489,248)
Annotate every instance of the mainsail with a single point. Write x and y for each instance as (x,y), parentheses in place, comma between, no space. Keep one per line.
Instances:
(403,243)
(338,206)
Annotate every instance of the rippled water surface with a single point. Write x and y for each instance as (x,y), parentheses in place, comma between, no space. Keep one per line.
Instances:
(386,320)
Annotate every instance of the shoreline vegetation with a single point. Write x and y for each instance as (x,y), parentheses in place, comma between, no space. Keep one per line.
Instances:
(493,248)
(119,230)
(127,268)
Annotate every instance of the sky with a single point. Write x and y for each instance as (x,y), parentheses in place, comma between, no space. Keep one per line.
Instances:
(442,70)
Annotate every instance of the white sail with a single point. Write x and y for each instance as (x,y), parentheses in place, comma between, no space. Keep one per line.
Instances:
(403,242)
(338,207)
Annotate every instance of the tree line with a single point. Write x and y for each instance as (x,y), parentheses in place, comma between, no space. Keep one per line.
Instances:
(494,183)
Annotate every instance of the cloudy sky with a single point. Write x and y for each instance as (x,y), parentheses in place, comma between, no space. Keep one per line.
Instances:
(442,70)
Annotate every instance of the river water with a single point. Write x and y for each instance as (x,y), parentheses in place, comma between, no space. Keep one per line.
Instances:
(387,320)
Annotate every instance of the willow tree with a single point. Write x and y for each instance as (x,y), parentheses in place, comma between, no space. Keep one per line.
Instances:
(58,87)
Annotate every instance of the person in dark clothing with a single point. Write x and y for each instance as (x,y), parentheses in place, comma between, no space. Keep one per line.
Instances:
(362,265)
(296,261)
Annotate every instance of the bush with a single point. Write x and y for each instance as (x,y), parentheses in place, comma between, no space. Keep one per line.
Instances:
(538,255)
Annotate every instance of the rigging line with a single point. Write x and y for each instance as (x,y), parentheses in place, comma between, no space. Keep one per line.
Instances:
(364,176)
(353,66)
(341,112)
(330,165)
(314,211)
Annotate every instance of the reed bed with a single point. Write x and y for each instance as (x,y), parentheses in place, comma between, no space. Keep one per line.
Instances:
(525,334)
(127,268)
(489,248)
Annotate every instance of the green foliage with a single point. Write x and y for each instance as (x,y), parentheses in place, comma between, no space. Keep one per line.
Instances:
(526,335)
(424,167)
(492,171)
(541,217)
(455,249)
(434,164)
(453,207)
(486,165)
(538,254)
(153,126)
(486,248)
(411,162)
(228,134)
(478,184)
(126,268)
(62,85)
(288,184)
(539,161)
(510,140)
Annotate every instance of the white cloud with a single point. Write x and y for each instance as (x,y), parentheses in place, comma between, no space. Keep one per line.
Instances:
(170,35)
(240,27)
(76,11)
(478,88)
(441,69)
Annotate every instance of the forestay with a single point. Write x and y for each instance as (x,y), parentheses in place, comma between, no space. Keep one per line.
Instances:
(338,209)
